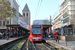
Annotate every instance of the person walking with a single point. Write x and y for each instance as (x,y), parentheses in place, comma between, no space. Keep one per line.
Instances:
(7,36)
(56,35)
(44,34)
(1,35)
(4,34)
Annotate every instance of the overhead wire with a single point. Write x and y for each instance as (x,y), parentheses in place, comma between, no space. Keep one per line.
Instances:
(19,5)
(38,8)
(58,10)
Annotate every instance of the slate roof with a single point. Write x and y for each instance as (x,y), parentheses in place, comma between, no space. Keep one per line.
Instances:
(26,8)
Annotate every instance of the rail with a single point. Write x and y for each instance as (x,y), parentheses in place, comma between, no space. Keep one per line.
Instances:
(12,45)
(34,46)
(23,44)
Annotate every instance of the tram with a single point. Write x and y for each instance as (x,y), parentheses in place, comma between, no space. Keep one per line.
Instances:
(36,34)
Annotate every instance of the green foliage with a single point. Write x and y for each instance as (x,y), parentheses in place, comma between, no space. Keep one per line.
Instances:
(6,10)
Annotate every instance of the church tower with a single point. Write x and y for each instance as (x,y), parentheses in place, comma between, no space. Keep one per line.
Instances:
(26,14)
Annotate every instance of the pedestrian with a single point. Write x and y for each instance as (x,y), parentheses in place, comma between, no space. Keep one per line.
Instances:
(1,35)
(4,34)
(56,35)
(7,36)
(44,34)
(49,35)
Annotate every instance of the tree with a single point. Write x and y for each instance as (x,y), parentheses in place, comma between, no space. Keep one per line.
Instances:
(6,10)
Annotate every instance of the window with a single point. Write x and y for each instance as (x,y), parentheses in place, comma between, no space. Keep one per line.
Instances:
(65,15)
(23,14)
(36,30)
(66,20)
(27,14)
(7,22)
(3,23)
(0,23)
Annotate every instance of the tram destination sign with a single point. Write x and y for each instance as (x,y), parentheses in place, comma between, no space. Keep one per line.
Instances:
(36,26)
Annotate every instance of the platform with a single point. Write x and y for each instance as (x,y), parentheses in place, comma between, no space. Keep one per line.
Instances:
(4,42)
(63,45)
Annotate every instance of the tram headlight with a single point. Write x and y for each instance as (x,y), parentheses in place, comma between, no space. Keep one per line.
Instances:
(40,37)
(33,38)
(37,38)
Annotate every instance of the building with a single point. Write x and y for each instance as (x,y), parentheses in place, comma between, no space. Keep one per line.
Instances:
(26,15)
(38,22)
(13,20)
(65,20)
(43,22)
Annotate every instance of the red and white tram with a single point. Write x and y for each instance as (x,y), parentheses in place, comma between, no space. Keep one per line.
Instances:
(36,33)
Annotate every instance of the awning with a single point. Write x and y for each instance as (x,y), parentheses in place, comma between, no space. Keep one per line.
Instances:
(18,26)
(45,27)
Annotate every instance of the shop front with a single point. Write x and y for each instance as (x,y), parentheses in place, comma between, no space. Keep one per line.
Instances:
(67,33)
(68,30)
(57,28)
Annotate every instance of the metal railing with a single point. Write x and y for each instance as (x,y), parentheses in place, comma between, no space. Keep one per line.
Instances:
(66,40)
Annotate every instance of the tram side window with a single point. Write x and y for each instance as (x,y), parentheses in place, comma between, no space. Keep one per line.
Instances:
(23,14)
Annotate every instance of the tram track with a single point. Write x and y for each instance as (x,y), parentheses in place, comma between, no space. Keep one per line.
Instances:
(26,44)
(50,47)
(17,45)
(40,46)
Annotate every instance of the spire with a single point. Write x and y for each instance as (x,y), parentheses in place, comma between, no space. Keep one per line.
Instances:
(26,8)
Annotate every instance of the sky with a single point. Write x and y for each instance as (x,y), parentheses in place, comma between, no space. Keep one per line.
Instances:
(40,9)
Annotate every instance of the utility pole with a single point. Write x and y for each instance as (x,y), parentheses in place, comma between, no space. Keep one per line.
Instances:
(50,25)
(50,20)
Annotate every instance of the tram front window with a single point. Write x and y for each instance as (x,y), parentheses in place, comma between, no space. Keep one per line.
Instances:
(36,30)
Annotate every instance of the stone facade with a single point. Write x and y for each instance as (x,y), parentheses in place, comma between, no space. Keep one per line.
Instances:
(26,14)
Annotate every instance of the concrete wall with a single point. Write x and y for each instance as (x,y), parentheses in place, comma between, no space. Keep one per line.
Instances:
(68,38)
(22,22)
(62,38)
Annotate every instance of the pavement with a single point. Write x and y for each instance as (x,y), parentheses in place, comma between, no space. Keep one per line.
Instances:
(68,45)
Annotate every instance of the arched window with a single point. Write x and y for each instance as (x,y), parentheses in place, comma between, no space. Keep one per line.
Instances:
(27,14)
(23,14)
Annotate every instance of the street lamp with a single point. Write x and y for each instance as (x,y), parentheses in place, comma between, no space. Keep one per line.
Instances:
(62,19)
(53,23)
(53,29)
